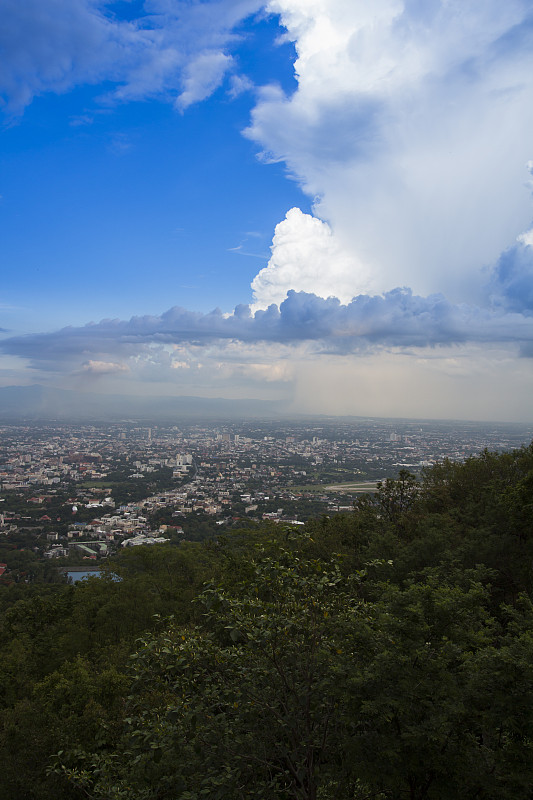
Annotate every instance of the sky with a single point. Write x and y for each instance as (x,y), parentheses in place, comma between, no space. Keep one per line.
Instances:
(322,203)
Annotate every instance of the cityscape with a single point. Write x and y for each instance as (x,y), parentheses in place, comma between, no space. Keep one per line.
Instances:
(76,493)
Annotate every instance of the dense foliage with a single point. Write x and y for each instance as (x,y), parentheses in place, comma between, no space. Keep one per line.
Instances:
(382,654)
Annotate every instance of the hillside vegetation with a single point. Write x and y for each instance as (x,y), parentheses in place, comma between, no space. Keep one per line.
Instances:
(377,655)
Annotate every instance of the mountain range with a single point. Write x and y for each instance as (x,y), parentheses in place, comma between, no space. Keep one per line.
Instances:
(41,402)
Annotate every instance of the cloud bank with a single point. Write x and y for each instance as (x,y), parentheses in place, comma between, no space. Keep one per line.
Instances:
(398,319)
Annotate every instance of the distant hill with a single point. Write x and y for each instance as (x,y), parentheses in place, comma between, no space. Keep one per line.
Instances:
(41,402)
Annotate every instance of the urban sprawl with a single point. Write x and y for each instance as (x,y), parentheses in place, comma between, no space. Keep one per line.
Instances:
(77,493)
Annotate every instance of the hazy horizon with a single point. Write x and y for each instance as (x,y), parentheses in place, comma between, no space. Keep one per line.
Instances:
(37,403)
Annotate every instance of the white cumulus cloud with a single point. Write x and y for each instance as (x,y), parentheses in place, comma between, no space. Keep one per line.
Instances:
(411,127)
(307,257)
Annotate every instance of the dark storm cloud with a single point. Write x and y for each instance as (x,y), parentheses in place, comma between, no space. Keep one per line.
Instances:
(396,319)
(512,282)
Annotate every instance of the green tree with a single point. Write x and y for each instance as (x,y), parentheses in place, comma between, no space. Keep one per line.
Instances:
(396,497)
(248,705)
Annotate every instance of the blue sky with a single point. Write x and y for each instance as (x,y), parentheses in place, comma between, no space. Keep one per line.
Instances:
(349,184)
(111,209)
